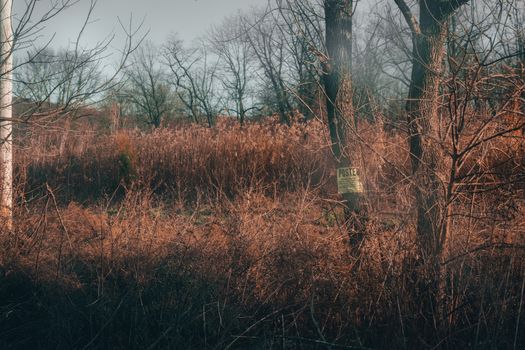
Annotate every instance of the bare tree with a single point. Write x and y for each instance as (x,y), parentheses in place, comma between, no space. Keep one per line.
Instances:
(428,38)
(428,33)
(50,81)
(303,31)
(57,84)
(267,41)
(230,44)
(371,88)
(146,88)
(36,80)
(337,69)
(322,34)
(194,76)
(79,83)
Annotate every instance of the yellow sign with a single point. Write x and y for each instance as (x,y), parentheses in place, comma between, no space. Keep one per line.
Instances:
(348,181)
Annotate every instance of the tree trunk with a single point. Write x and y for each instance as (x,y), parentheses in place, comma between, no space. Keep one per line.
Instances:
(6,126)
(338,90)
(422,117)
(427,160)
(284,118)
(241,112)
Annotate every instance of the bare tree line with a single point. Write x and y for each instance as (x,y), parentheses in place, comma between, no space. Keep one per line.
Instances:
(447,75)
(271,60)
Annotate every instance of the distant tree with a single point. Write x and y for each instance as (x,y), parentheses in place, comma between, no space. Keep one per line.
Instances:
(194,77)
(58,82)
(371,88)
(267,41)
(33,81)
(302,27)
(236,61)
(146,87)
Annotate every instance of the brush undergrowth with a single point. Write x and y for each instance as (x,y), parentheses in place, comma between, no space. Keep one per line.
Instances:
(183,164)
(233,238)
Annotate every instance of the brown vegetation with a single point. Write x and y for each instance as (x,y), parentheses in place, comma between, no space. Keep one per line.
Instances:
(233,237)
(186,162)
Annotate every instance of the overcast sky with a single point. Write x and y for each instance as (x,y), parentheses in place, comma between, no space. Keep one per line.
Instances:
(189,18)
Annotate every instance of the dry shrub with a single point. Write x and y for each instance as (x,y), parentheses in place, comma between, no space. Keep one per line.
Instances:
(250,250)
(229,159)
(185,162)
(203,275)
(76,164)
(256,271)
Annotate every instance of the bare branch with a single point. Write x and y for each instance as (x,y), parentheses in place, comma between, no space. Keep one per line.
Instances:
(409,17)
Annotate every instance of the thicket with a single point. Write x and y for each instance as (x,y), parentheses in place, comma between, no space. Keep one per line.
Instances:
(234,238)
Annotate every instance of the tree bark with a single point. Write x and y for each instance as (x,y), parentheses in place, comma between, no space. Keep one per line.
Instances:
(423,117)
(422,113)
(427,160)
(338,89)
(6,125)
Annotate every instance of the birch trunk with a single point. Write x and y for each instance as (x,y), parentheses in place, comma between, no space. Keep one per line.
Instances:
(6,125)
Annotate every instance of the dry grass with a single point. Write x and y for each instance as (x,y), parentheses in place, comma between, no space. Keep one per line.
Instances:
(183,163)
(233,239)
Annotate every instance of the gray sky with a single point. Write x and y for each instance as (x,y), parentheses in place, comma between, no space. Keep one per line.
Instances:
(189,18)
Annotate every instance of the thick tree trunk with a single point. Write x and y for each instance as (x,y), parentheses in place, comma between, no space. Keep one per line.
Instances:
(6,125)
(338,90)
(422,117)
(426,156)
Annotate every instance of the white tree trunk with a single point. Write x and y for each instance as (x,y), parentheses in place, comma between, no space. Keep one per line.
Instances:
(6,125)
